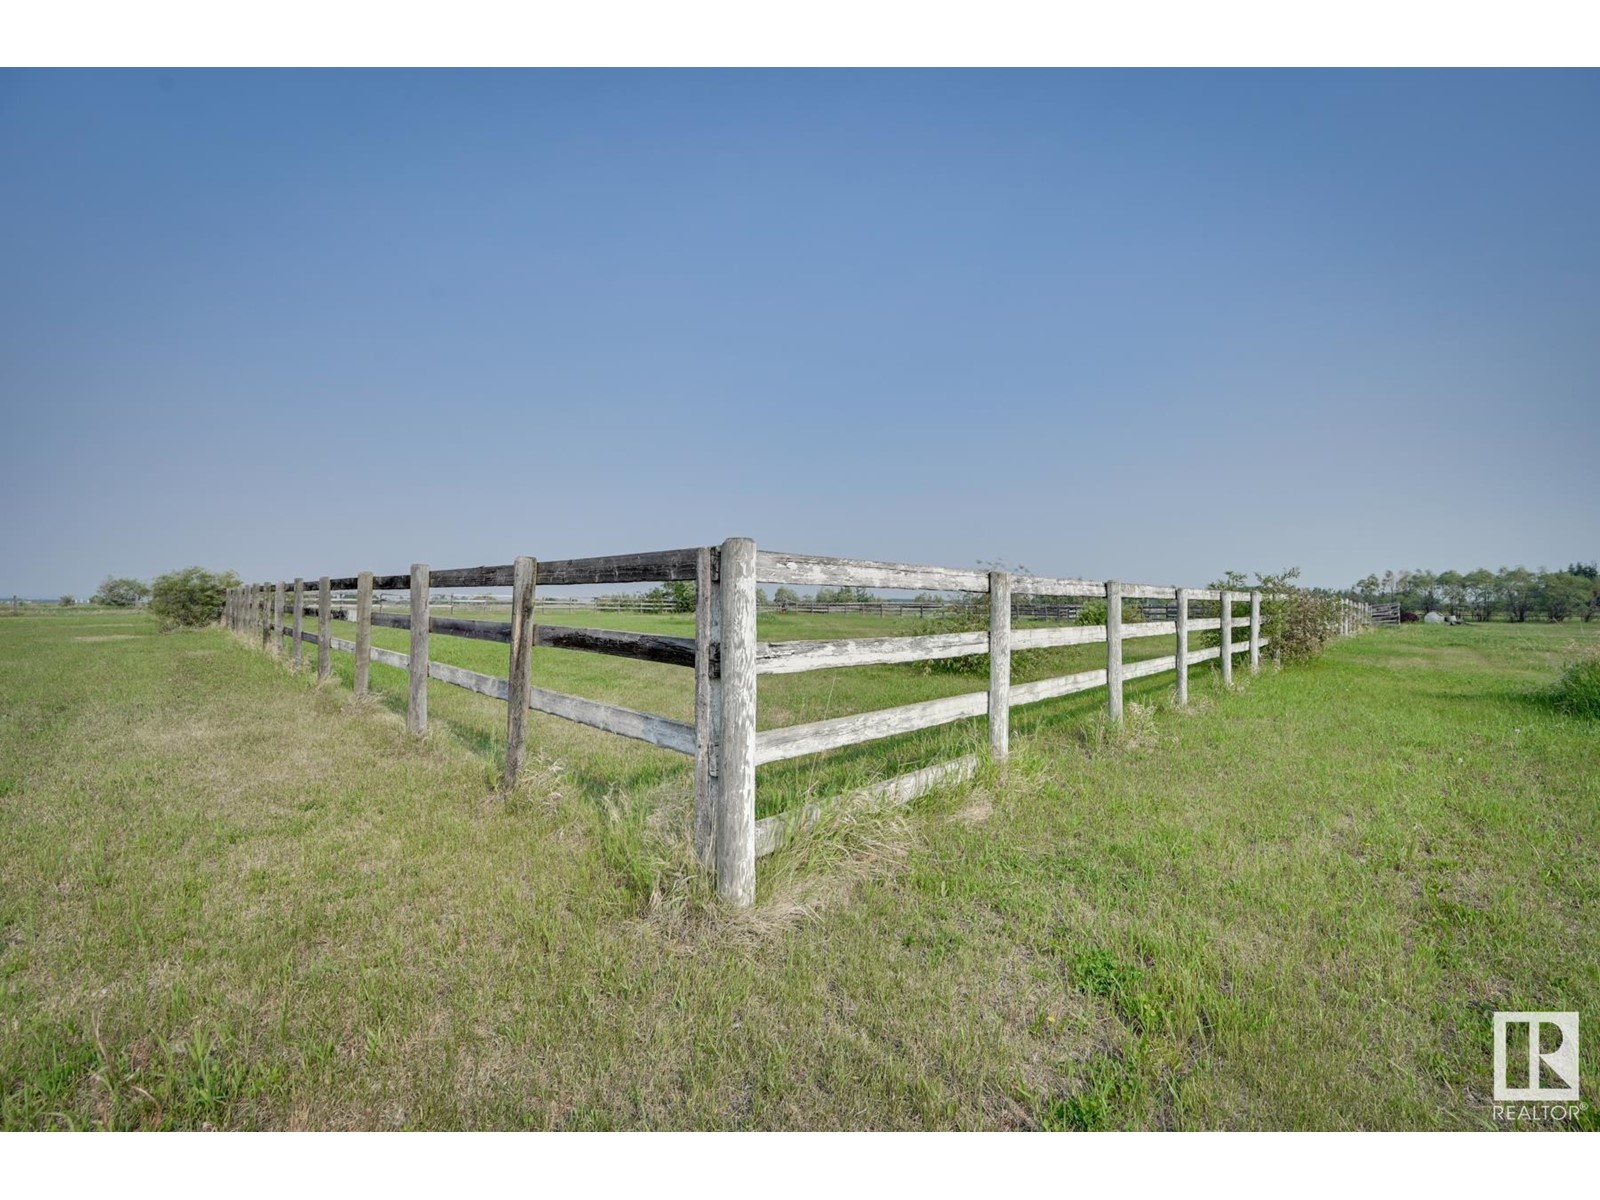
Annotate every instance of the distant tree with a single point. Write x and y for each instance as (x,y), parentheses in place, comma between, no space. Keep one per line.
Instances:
(121,593)
(762,598)
(191,597)
(1587,570)
(1453,589)
(785,596)
(1517,588)
(1388,584)
(1425,589)
(67,602)
(1368,588)
(1562,594)
(1482,593)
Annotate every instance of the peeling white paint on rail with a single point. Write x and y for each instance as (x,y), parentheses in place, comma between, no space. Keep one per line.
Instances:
(774,831)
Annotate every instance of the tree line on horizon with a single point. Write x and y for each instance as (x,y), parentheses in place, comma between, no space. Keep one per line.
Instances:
(1514,592)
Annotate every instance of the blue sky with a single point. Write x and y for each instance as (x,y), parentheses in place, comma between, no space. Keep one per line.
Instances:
(1138,325)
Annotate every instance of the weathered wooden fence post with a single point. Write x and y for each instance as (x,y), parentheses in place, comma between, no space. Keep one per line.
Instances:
(363,632)
(999,664)
(736,808)
(1114,648)
(324,630)
(1226,628)
(1255,631)
(299,619)
(1182,595)
(524,579)
(707,704)
(264,615)
(277,618)
(417,694)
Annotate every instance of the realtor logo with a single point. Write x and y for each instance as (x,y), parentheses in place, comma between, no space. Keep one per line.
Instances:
(1562,1061)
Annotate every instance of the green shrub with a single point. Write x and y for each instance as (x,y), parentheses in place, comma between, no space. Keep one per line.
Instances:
(1093,612)
(1577,692)
(121,593)
(189,598)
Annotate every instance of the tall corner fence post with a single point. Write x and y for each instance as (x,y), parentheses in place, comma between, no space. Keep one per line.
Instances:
(277,618)
(363,633)
(1255,630)
(264,615)
(519,679)
(1225,610)
(297,649)
(324,630)
(417,692)
(1181,595)
(707,703)
(1114,649)
(736,809)
(999,664)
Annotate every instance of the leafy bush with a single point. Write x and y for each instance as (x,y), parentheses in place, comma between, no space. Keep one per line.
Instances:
(679,595)
(1296,621)
(121,593)
(67,602)
(1093,612)
(1577,692)
(191,597)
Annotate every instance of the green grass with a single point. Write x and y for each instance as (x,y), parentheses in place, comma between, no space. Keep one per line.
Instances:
(230,898)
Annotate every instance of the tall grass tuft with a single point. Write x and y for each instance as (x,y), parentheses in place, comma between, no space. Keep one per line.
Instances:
(1577,692)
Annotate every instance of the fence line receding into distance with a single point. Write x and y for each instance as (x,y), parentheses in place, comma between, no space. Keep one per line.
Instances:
(727,658)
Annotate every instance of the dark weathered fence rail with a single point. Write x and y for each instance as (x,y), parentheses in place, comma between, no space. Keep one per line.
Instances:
(727,659)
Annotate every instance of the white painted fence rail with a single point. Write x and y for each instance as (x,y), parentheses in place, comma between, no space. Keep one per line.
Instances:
(727,658)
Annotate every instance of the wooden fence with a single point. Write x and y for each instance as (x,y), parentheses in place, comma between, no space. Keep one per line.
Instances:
(726,658)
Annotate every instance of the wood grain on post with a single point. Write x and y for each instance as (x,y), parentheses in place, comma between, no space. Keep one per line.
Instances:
(299,620)
(1183,646)
(277,618)
(363,632)
(1227,637)
(524,575)
(736,810)
(707,705)
(417,694)
(264,614)
(1255,632)
(1114,649)
(999,664)
(324,629)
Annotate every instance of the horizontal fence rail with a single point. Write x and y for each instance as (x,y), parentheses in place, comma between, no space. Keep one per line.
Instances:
(726,658)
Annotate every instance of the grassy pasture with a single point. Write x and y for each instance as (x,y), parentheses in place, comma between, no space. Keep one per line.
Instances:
(231,898)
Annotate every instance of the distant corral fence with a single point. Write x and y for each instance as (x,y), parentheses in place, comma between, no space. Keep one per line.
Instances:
(727,658)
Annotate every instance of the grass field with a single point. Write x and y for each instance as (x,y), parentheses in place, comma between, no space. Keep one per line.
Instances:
(229,898)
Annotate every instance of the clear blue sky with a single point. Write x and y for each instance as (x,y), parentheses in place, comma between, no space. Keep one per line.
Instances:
(1137,325)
